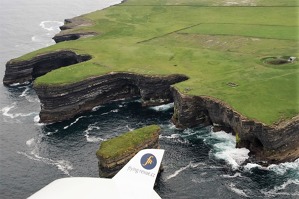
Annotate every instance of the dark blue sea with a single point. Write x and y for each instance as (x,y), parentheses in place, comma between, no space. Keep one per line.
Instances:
(198,162)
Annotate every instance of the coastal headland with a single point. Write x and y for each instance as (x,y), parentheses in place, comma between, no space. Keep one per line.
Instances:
(232,64)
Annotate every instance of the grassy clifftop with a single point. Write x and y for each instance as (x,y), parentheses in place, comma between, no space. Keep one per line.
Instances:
(221,45)
(128,142)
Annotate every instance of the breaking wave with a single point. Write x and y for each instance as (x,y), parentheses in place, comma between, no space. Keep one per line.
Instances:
(71,124)
(96,108)
(51,25)
(163,107)
(6,112)
(177,172)
(279,169)
(92,138)
(280,190)
(224,149)
(28,96)
(62,165)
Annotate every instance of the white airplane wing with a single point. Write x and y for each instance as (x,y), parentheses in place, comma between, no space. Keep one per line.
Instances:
(135,180)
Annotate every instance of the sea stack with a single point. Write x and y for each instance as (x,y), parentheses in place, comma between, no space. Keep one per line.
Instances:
(115,153)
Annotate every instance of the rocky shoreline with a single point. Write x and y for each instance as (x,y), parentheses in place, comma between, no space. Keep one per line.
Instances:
(68,30)
(268,144)
(25,71)
(273,144)
(60,103)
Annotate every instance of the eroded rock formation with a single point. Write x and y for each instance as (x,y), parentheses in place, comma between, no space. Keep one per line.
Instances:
(64,102)
(68,30)
(109,166)
(271,143)
(28,70)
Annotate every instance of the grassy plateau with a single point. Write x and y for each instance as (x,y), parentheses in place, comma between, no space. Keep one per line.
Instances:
(127,142)
(219,44)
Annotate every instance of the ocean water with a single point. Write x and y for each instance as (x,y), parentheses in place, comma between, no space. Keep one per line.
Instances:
(198,162)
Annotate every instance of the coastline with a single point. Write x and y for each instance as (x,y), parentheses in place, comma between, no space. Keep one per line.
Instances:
(190,111)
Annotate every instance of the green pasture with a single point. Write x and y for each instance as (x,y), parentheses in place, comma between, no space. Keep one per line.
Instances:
(219,45)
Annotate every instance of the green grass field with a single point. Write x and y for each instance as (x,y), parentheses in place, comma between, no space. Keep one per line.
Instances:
(127,143)
(219,44)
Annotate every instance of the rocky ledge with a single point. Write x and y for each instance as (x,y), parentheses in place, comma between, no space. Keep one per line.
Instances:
(60,103)
(68,30)
(267,144)
(116,153)
(27,70)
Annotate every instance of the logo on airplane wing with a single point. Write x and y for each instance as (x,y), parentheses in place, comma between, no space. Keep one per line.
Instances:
(148,161)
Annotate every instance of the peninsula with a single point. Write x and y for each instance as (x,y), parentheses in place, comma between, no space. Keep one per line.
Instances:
(226,63)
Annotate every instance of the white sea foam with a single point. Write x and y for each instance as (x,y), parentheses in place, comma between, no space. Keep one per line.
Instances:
(282,168)
(62,165)
(33,143)
(278,190)
(30,142)
(51,25)
(96,108)
(163,107)
(27,95)
(225,149)
(24,93)
(240,192)
(172,136)
(236,175)
(112,111)
(92,138)
(279,169)
(51,133)
(19,84)
(36,119)
(6,112)
(177,172)
(6,109)
(66,127)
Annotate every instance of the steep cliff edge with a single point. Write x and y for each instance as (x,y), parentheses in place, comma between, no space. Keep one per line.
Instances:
(27,70)
(273,144)
(69,32)
(64,102)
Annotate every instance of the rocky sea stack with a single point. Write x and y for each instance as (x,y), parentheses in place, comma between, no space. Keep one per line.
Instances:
(113,154)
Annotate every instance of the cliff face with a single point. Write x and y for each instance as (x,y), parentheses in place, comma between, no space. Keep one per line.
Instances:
(271,143)
(64,102)
(26,71)
(67,33)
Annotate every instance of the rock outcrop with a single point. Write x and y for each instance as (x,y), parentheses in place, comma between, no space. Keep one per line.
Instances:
(113,157)
(274,144)
(68,30)
(60,103)
(27,70)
